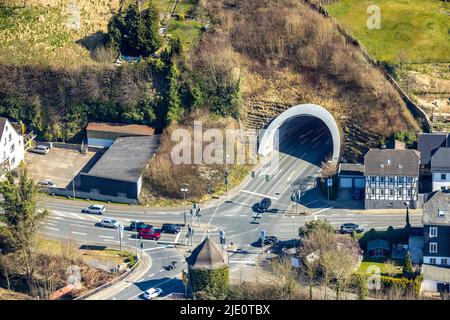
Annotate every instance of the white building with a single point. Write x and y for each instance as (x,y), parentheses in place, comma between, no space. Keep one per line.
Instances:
(440,169)
(11,146)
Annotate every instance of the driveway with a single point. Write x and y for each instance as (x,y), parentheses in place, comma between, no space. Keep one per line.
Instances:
(59,165)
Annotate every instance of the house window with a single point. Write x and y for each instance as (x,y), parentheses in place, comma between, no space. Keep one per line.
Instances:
(433,232)
(391,192)
(409,180)
(400,180)
(12,148)
(372,179)
(409,193)
(391,179)
(443,188)
(372,192)
(382,179)
(444,261)
(13,160)
(441,213)
(4,154)
(10,137)
(443,176)
(433,247)
(400,192)
(432,260)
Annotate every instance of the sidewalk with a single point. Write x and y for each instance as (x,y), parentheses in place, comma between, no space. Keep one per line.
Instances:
(144,265)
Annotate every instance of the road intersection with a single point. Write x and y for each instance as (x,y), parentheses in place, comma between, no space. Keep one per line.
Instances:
(299,165)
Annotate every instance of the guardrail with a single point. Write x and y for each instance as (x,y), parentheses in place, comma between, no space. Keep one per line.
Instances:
(113,281)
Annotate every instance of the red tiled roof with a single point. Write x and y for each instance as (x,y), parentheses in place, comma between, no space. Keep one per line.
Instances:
(135,129)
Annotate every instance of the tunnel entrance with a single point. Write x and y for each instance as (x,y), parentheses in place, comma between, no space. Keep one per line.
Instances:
(306,138)
(303,130)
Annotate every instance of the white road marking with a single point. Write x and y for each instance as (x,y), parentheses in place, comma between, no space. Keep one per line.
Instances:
(324,209)
(259,194)
(156,285)
(178,236)
(80,233)
(106,237)
(55,229)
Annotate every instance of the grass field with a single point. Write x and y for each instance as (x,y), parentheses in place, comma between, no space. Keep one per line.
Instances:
(416,27)
(385,268)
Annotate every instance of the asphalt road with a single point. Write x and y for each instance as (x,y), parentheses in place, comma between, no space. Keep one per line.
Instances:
(300,155)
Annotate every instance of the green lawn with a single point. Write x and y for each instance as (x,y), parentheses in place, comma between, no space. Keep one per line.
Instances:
(416,27)
(385,268)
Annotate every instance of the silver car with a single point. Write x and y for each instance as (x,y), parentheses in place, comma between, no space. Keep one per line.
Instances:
(109,223)
(95,209)
(41,149)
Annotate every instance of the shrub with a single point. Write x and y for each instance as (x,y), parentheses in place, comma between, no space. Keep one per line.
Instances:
(210,283)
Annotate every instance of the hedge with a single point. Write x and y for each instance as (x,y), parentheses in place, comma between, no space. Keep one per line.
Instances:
(215,283)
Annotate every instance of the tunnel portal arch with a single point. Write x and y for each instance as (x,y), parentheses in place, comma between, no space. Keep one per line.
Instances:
(268,138)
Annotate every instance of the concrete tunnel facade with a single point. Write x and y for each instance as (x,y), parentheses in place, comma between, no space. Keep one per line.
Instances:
(270,137)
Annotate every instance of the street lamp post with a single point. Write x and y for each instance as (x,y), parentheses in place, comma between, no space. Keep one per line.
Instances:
(184,190)
(408,224)
(293,228)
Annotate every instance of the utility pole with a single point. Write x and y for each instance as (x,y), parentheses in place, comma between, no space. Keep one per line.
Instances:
(226,181)
(184,190)
(120,229)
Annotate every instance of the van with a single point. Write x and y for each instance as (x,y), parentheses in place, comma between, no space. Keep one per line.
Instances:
(41,149)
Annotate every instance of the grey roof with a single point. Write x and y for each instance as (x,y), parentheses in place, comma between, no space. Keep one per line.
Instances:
(378,243)
(428,143)
(351,169)
(206,256)
(440,274)
(440,161)
(126,158)
(391,162)
(440,200)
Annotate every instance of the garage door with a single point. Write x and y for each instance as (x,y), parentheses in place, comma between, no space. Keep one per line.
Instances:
(345,183)
(360,183)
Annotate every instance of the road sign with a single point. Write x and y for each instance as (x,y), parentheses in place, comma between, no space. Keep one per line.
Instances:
(329,182)
(141,244)
(121,230)
(222,236)
(262,234)
(184,277)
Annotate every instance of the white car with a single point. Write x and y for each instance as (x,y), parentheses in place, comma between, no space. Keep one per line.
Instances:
(152,293)
(47,183)
(109,223)
(95,209)
(41,149)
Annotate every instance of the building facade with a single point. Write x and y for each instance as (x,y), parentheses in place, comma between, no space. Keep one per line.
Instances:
(436,229)
(392,178)
(440,169)
(11,146)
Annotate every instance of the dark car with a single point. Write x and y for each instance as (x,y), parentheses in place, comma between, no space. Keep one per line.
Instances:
(267,241)
(170,228)
(148,233)
(138,225)
(348,228)
(265,204)
(357,194)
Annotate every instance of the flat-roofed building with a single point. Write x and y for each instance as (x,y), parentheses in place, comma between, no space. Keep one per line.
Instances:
(118,173)
(103,135)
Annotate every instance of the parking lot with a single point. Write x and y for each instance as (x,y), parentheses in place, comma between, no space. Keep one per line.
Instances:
(59,165)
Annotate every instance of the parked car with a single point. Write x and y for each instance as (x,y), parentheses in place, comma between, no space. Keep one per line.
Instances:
(95,209)
(357,194)
(46,183)
(109,223)
(170,228)
(149,234)
(267,241)
(347,228)
(152,293)
(265,204)
(138,225)
(41,149)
